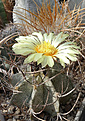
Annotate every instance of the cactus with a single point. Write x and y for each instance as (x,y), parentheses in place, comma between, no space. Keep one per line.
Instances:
(37,90)
(33,95)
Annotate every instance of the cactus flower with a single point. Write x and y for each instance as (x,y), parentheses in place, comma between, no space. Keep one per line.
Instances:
(46,48)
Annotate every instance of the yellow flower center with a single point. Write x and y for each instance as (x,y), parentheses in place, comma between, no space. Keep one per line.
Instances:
(46,48)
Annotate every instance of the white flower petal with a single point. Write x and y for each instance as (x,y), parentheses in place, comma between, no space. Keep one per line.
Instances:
(67,45)
(22,39)
(70,51)
(59,38)
(18,49)
(39,35)
(37,56)
(40,60)
(23,46)
(45,61)
(30,58)
(45,37)
(71,57)
(62,63)
(50,37)
(50,61)
(63,58)
(23,52)
(34,40)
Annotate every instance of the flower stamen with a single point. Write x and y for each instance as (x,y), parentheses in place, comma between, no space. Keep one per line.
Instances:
(46,48)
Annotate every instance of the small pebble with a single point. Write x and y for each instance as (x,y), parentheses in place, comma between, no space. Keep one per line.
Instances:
(70,118)
(3,105)
(5,111)
(17,110)
(10,109)
(9,120)
(16,116)
(14,119)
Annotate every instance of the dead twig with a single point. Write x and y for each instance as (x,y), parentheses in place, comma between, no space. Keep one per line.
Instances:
(9,37)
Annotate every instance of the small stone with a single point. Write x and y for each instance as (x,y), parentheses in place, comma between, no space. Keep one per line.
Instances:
(16,116)
(70,118)
(14,119)
(9,120)
(8,101)
(10,109)
(3,104)
(5,111)
(17,110)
